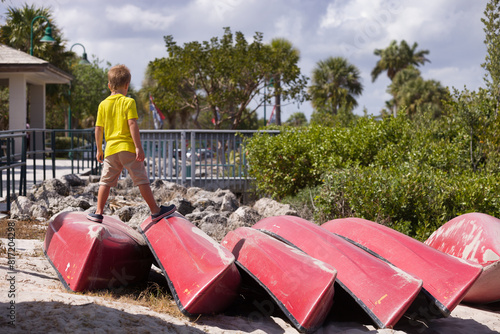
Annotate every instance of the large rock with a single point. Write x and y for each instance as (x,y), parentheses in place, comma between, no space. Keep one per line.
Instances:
(21,208)
(73,180)
(50,186)
(244,216)
(268,207)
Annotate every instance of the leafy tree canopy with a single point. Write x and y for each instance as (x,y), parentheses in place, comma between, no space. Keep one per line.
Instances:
(220,77)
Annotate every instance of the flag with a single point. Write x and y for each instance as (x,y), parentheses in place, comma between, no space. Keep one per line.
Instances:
(218,116)
(272,119)
(158,116)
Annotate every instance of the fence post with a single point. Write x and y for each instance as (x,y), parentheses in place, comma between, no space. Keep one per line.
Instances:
(183,157)
(53,147)
(193,157)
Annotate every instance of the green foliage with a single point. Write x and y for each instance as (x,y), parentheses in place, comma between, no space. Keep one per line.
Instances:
(410,174)
(335,85)
(412,199)
(297,119)
(396,57)
(88,90)
(491,23)
(416,95)
(220,78)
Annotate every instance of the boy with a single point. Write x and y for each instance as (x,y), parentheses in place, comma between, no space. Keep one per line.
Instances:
(117,121)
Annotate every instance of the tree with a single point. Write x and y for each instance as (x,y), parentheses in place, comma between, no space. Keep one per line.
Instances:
(335,84)
(221,77)
(396,57)
(412,92)
(16,33)
(88,90)
(491,23)
(473,110)
(286,57)
(297,119)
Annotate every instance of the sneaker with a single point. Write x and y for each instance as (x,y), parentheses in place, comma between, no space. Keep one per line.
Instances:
(165,211)
(97,218)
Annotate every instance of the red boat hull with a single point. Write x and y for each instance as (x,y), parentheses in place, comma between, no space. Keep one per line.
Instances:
(446,279)
(390,292)
(92,256)
(474,237)
(200,272)
(302,286)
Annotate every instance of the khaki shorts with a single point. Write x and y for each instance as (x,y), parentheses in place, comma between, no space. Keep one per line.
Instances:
(114,164)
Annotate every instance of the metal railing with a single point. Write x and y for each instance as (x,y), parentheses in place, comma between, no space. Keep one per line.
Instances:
(208,159)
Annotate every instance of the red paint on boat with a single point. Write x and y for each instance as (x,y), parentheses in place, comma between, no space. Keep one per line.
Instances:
(383,291)
(303,287)
(200,272)
(446,279)
(474,237)
(91,256)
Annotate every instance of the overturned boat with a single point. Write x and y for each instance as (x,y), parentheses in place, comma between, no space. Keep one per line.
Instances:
(474,237)
(381,290)
(302,287)
(92,256)
(201,274)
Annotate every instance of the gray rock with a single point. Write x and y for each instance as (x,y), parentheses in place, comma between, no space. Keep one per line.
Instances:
(72,180)
(267,207)
(184,207)
(243,216)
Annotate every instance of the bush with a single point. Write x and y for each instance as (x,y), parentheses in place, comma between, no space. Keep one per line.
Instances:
(410,199)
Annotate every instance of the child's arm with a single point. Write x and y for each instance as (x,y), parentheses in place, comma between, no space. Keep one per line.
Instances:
(136,137)
(98,140)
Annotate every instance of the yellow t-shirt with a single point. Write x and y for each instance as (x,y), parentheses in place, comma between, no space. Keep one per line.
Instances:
(113,115)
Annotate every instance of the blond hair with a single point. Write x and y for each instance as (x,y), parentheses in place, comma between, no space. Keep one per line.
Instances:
(118,76)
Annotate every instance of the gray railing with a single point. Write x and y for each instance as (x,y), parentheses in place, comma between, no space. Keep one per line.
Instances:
(207,159)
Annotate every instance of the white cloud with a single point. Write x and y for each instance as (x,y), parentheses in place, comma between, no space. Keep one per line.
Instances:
(450,29)
(139,19)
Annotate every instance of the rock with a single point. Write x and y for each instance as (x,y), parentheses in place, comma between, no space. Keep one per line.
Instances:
(243,216)
(203,203)
(51,185)
(40,212)
(21,208)
(167,191)
(267,207)
(184,207)
(229,202)
(126,213)
(215,225)
(141,213)
(72,180)
(92,188)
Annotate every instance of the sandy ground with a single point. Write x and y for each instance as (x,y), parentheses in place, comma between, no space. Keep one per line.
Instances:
(42,305)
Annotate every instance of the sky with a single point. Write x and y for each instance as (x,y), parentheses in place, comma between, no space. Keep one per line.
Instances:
(131,33)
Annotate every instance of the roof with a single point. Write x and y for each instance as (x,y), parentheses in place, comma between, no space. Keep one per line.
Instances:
(38,71)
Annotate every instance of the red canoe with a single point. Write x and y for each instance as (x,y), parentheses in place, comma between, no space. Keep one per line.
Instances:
(91,256)
(200,272)
(303,287)
(383,291)
(474,237)
(446,279)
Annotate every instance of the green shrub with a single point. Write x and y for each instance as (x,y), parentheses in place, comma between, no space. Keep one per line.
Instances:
(413,200)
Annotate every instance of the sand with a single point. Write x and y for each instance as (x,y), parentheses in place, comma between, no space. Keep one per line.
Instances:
(42,305)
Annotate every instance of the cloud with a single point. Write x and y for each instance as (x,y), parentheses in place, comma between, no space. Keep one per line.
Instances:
(139,19)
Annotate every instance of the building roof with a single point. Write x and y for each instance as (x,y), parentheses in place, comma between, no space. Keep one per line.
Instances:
(37,71)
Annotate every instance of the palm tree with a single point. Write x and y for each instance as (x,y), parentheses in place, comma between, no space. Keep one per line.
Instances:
(414,93)
(335,84)
(286,55)
(396,57)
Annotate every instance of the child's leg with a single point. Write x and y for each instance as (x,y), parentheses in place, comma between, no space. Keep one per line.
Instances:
(102,197)
(148,196)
